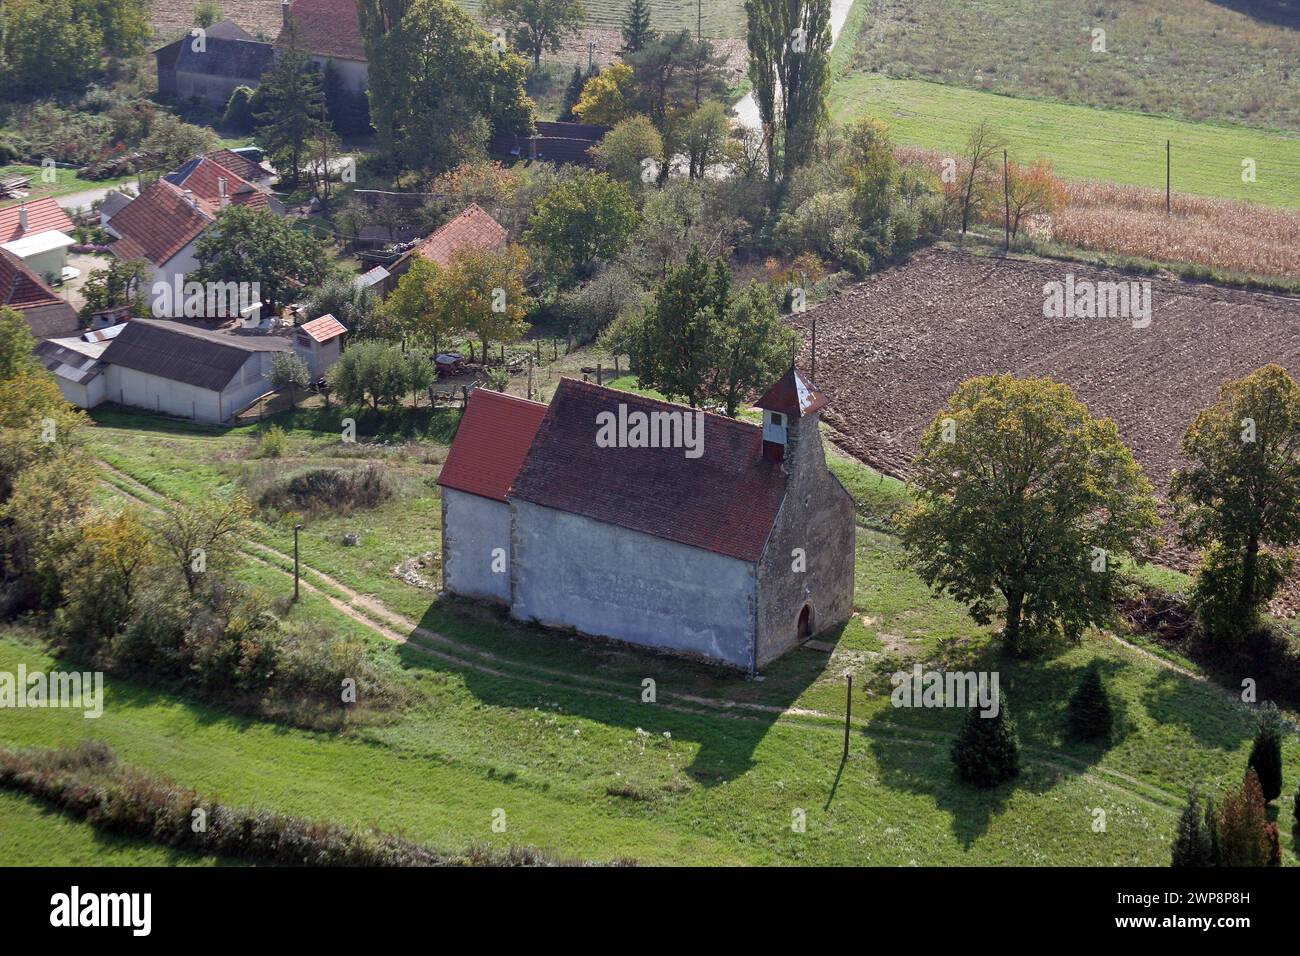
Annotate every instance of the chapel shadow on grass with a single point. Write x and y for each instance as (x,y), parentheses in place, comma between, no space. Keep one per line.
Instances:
(533,666)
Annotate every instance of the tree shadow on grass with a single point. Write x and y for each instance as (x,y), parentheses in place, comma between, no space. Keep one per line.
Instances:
(912,746)
(1196,707)
(1284,13)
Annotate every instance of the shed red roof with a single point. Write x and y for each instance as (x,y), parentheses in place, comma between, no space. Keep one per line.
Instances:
(159,223)
(42,216)
(491,443)
(724,501)
(20,287)
(324,328)
(326,28)
(472,229)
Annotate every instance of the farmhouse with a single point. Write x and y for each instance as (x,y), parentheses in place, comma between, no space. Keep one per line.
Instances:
(210,67)
(734,554)
(472,229)
(553,143)
(47,315)
(37,233)
(328,32)
(184,370)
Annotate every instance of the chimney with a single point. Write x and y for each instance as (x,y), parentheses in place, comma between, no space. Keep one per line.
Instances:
(189,198)
(22,218)
(221,191)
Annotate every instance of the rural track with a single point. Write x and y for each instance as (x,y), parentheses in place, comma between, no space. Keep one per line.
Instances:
(380,619)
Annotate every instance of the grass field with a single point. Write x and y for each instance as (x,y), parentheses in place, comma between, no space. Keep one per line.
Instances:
(1082,142)
(552,730)
(1194,59)
(66,181)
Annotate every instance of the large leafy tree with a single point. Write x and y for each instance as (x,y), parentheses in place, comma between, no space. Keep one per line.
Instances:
(789,67)
(673,74)
(414,308)
(1022,495)
(52,45)
(293,110)
(750,348)
(1240,496)
(536,26)
(253,245)
(482,291)
(581,219)
(438,88)
(609,97)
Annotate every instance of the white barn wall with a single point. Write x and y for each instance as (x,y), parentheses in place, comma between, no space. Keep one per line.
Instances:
(472,527)
(571,571)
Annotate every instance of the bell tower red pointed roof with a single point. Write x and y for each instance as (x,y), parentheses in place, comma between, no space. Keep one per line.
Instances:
(792,395)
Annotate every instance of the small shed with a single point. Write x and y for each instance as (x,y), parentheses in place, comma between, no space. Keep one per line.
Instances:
(318,341)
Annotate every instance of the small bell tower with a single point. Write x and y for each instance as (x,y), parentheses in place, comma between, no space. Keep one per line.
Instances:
(790,404)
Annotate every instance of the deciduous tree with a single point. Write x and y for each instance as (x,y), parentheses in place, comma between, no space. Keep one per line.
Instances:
(536,26)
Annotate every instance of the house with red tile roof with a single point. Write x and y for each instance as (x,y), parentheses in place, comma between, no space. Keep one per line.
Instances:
(162,226)
(37,232)
(328,31)
(471,229)
(22,289)
(211,180)
(651,523)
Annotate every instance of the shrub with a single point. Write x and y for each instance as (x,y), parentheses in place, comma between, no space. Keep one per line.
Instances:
(330,489)
(1266,754)
(1089,709)
(272,442)
(239,110)
(1244,838)
(986,752)
(1193,844)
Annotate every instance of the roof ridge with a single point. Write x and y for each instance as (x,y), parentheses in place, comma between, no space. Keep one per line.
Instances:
(712,416)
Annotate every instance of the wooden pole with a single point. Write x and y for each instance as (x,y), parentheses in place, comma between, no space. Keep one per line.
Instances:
(848,716)
(530,378)
(1169,204)
(1006,199)
(600,374)
(813,373)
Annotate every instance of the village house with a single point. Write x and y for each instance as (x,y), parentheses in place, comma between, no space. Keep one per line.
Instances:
(203,374)
(163,224)
(731,544)
(47,315)
(210,67)
(471,229)
(328,32)
(553,142)
(37,233)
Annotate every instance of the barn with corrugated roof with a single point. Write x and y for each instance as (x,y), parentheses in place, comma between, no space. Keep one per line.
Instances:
(651,523)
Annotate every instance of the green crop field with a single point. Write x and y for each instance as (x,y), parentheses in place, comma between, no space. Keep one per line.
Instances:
(552,729)
(1082,142)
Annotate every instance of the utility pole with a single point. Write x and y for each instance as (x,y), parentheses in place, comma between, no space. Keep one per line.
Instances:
(296,528)
(530,378)
(848,717)
(1169,205)
(813,371)
(1006,198)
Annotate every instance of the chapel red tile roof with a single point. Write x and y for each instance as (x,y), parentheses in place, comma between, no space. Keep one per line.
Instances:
(792,395)
(724,501)
(326,28)
(159,223)
(472,229)
(42,216)
(491,443)
(202,176)
(20,287)
(324,328)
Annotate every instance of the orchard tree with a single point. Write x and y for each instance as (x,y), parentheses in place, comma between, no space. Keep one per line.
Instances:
(581,219)
(536,26)
(631,152)
(483,292)
(1240,497)
(415,307)
(750,348)
(255,245)
(1022,495)
(289,372)
(609,97)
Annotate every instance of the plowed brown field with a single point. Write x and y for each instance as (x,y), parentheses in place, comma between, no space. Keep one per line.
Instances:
(891,349)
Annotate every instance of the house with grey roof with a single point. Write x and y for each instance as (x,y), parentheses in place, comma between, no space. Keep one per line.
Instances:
(209,65)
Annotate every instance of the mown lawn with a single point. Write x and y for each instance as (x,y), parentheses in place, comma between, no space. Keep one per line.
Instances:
(552,729)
